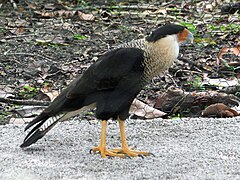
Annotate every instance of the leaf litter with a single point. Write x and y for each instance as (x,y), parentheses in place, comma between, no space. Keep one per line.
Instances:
(54,42)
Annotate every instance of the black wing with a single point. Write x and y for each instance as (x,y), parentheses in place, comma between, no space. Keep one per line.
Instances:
(112,83)
(117,69)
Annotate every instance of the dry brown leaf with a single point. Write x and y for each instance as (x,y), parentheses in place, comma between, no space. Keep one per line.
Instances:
(66,14)
(45,14)
(20,30)
(219,110)
(52,94)
(226,50)
(161,11)
(143,110)
(86,17)
(32,6)
(20,121)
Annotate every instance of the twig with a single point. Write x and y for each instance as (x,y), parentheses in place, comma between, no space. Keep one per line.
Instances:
(126,7)
(24,102)
(122,7)
(172,79)
(18,36)
(231,89)
(176,107)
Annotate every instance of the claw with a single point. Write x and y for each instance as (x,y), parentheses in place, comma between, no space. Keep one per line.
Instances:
(152,154)
(106,152)
(90,151)
(127,156)
(119,152)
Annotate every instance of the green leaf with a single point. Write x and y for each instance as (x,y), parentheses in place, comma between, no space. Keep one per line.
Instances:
(79,37)
(190,26)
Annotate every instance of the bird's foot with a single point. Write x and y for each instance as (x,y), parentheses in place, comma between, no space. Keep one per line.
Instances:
(119,152)
(106,152)
(130,152)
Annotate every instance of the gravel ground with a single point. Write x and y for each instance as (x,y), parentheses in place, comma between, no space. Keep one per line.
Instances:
(197,148)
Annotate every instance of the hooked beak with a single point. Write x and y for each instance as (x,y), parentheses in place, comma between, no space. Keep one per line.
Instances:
(190,37)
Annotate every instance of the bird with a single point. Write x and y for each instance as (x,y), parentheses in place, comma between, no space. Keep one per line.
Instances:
(111,84)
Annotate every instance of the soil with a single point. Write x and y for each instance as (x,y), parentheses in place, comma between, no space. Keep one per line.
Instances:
(39,50)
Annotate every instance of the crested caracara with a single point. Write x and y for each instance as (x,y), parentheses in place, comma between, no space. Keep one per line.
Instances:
(111,84)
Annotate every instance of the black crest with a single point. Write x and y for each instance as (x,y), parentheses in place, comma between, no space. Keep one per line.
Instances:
(163,31)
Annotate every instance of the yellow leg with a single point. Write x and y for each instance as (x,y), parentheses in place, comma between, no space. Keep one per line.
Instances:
(102,147)
(125,149)
(119,152)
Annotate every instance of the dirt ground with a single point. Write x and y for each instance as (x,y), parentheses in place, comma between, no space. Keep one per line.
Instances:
(196,148)
(43,46)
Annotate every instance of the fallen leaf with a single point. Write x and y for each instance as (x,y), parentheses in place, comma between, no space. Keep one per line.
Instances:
(219,110)
(41,96)
(32,6)
(143,110)
(57,41)
(19,121)
(86,17)
(52,94)
(65,14)
(29,111)
(220,82)
(20,30)
(226,50)
(6,91)
(161,11)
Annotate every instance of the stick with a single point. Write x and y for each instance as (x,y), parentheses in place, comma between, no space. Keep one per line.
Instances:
(24,102)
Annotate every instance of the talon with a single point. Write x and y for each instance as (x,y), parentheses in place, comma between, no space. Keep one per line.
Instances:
(90,151)
(127,156)
(152,154)
(141,156)
(106,153)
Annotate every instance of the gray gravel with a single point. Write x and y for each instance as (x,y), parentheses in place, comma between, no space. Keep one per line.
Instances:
(196,148)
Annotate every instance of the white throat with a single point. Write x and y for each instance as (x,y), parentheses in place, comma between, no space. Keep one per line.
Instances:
(162,53)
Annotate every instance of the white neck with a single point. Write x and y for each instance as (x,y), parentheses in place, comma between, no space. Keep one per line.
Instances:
(162,53)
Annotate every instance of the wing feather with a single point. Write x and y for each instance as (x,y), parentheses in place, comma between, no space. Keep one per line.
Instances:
(111,83)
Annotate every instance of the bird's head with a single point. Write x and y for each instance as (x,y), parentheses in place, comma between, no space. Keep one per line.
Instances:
(163,46)
(181,33)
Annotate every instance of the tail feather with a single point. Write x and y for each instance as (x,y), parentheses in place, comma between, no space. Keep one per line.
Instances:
(42,126)
(44,122)
(39,119)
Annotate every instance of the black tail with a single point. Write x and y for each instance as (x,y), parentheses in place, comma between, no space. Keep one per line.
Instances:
(43,123)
